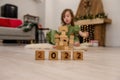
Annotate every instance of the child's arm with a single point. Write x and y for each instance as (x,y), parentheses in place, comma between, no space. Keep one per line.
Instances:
(84,34)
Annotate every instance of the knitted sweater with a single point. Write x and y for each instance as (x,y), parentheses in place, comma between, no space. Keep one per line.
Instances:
(71,30)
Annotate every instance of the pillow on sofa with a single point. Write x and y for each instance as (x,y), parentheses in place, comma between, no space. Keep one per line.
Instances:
(4,22)
(15,22)
(9,22)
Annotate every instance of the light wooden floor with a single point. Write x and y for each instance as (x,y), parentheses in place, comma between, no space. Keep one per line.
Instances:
(18,63)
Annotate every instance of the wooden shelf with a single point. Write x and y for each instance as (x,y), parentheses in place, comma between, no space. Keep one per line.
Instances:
(93,21)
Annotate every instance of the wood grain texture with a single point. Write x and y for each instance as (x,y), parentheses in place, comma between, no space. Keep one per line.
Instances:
(94,7)
(18,63)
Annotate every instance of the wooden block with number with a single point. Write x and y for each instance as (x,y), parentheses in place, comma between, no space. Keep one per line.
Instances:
(53,55)
(65,55)
(39,55)
(77,55)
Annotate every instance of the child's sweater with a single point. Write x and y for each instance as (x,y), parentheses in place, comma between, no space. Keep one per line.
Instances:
(71,30)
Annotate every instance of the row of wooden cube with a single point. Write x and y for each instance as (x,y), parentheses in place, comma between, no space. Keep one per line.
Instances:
(65,55)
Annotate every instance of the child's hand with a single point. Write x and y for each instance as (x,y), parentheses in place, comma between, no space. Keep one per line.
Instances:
(76,44)
(84,34)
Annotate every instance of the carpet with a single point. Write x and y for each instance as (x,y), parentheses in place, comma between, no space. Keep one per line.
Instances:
(83,46)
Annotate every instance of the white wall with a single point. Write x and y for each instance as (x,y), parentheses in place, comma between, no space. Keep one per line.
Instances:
(41,12)
(111,7)
(54,9)
(113,30)
(24,7)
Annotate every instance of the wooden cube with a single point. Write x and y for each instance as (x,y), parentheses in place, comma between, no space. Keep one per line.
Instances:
(63,28)
(77,55)
(71,42)
(72,37)
(39,55)
(63,33)
(66,48)
(65,55)
(64,39)
(61,43)
(57,35)
(65,43)
(57,42)
(60,47)
(53,55)
(63,36)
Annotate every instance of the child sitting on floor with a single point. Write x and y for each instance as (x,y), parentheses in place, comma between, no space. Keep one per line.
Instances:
(67,19)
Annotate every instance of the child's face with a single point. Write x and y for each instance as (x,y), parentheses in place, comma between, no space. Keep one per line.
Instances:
(67,18)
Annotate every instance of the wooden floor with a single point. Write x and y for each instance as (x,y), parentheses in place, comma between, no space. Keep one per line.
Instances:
(18,63)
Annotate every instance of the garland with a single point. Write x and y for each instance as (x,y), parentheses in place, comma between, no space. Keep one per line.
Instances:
(90,16)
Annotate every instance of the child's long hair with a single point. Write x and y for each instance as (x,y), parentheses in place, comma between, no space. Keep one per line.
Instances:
(63,15)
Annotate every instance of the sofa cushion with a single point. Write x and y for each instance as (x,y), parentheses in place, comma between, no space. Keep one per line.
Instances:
(13,32)
(4,22)
(15,22)
(9,22)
